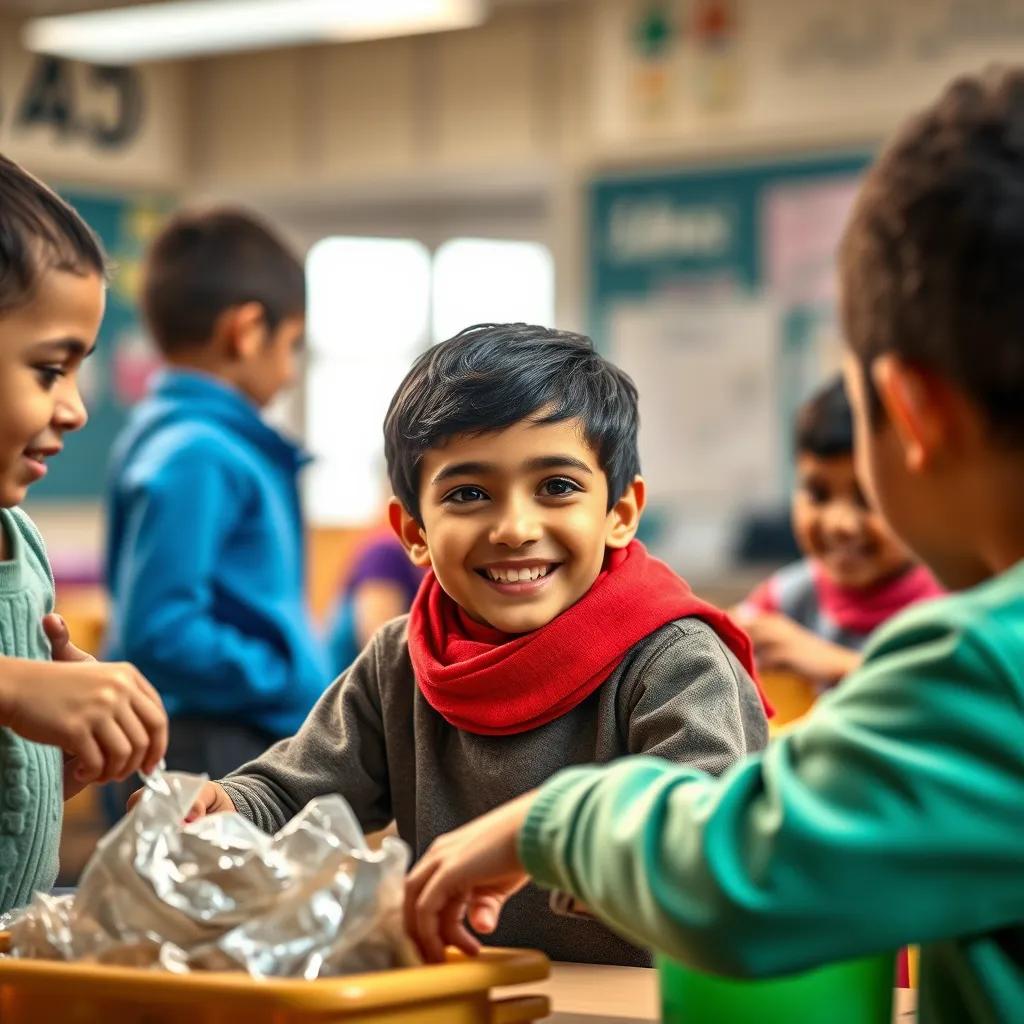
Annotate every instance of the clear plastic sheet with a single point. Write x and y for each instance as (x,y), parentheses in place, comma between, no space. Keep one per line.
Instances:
(220,894)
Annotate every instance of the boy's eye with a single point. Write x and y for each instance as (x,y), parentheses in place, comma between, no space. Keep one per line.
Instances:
(558,487)
(465,495)
(817,494)
(49,375)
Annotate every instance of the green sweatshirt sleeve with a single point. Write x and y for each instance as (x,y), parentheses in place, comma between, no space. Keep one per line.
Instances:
(893,815)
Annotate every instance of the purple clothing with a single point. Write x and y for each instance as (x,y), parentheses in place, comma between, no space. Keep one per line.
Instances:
(383,560)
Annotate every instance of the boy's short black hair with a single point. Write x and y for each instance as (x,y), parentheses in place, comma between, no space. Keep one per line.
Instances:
(824,423)
(205,262)
(39,232)
(932,262)
(490,376)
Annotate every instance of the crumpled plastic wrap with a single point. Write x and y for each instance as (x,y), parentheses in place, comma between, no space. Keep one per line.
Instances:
(220,894)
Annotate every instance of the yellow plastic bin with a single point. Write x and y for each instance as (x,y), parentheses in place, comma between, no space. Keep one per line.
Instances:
(458,992)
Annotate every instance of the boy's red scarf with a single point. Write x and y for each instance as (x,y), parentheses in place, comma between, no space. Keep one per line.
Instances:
(496,684)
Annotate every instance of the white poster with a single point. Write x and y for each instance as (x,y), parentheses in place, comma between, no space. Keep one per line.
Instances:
(709,423)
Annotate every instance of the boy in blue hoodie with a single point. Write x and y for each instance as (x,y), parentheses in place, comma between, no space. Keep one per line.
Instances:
(205,545)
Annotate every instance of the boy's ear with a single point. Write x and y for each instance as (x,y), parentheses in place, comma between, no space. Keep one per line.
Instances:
(624,515)
(924,412)
(409,532)
(242,330)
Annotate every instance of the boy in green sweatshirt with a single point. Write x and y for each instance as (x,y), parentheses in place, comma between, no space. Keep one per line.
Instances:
(895,814)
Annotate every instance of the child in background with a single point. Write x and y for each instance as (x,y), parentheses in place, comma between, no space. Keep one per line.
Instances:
(205,559)
(814,617)
(544,635)
(106,719)
(892,815)
(381,585)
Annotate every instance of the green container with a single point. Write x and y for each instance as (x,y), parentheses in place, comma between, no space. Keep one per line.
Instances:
(853,992)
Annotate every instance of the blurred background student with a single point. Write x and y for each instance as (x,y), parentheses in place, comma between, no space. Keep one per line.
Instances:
(813,617)
(379,586)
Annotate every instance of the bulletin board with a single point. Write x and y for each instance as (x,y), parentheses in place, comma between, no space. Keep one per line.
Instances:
(715,288)
(115,376)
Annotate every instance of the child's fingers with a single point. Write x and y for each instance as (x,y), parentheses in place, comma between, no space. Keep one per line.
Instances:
(62,648)
(149,690)
(206,802)
(428,935)
(90,759)
(56,630)
(135,798)
(137,736)
(431,907)
(154,720)
(453,931)
(115,747)
(484,912)
(199,809)
(414,883)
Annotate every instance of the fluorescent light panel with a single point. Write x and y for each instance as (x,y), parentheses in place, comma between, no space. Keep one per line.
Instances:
(191,28)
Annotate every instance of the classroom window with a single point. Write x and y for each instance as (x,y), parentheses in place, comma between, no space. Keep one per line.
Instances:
(374,305)
(487,280)
(369,302)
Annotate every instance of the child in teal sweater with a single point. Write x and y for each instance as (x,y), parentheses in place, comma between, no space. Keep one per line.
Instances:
(893,815)
(71,720)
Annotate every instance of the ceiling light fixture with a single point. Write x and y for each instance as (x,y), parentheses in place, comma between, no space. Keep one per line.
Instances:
(193,28)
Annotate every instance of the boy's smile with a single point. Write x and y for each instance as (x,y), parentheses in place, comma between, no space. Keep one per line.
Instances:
(516,521)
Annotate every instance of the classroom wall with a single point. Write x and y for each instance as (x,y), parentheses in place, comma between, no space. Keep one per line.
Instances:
(575,84)
(504,128)
(84,126)
(547,95)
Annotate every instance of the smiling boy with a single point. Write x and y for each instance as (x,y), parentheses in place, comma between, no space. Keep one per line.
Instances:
(815,616)
(544,635)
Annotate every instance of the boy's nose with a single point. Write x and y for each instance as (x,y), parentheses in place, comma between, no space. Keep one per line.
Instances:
(70,412)
(843,519)
(515,527)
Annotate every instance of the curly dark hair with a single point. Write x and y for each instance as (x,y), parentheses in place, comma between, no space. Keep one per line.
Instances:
(932,261)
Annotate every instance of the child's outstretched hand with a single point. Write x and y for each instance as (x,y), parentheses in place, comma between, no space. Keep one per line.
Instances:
(212,799)
(467,874)
(780,644)
(106,717)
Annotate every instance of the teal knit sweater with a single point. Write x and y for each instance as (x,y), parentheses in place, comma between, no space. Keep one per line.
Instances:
(31,788)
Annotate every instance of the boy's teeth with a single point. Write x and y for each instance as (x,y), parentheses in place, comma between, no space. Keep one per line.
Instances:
(517,575)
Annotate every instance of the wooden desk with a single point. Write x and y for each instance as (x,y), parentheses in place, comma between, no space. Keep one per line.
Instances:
(585,994)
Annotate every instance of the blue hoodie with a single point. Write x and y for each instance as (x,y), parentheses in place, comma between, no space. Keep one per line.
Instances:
(205,558)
